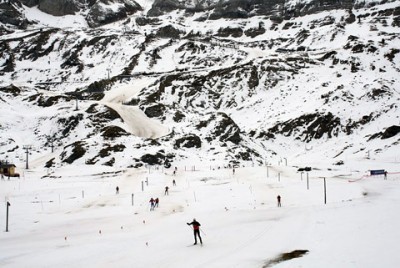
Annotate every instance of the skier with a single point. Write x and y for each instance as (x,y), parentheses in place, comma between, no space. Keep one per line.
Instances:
(279,200)
(156,201)
(117,190)
(385,175)
(166,190)
(196,230)
(173,182)
(152,202)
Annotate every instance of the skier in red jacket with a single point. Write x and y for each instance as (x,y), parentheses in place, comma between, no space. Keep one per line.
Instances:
(196,230)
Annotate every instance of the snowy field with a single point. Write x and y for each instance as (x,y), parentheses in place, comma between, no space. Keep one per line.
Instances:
(73,217)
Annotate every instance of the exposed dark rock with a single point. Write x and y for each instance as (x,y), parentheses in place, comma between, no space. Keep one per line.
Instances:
(188,141)
(156,110)
(69,123)
(48,101)
(351,18)
(168,32)
(317,125)
(161,7)
(393,52)
(142,21)
(11,89)
(351,125)
(107,150)
(253,80)
(50,163)
(59,7)
(102,114)
(226,129)
(253,32)
(11,13)
(396,21)
(178,116)
(112,132)
(153,159)
(246,156)
(99,14)
(30,3)
(77,151)
(304,169)
(390,132)
(236,9)
(226,32)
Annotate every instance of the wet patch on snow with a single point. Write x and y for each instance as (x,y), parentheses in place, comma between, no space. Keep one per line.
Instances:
(285,257)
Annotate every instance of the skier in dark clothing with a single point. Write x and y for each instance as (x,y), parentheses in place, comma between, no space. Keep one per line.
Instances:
(279,200)
(152,204)
(166,190)
(196,230)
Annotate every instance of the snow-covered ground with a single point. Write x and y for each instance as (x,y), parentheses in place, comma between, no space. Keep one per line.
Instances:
(73,217)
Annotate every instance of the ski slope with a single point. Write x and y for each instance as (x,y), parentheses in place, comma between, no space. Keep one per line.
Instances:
(74,218)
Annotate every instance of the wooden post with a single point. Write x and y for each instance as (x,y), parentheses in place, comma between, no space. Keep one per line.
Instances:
(325,190)
(8,204)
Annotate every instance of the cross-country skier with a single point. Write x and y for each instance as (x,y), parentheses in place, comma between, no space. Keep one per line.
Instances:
(196,230)
(152,203)
(279,200)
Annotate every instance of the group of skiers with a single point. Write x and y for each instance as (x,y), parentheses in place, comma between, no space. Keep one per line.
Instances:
(154,203)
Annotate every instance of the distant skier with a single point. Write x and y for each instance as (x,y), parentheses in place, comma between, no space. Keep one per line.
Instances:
(152,204)
(156,201)
(117,190)
(166,190)
(196,230)
(173,182)
(279,200)
(385,175)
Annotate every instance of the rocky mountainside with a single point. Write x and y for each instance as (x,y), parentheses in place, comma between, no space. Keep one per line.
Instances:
(241,81)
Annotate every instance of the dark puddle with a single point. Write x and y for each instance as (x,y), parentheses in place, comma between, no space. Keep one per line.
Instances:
(285,257)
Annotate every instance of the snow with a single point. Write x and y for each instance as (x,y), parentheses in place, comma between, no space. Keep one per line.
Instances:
(72,216)
(47,20)
(136,120)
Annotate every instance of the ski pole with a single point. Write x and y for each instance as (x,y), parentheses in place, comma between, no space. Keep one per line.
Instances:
(201,230)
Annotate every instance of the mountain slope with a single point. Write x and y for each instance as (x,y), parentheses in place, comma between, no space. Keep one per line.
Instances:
(247,90)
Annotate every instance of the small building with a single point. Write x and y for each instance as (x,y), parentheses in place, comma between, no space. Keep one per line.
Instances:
(8,169)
